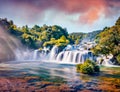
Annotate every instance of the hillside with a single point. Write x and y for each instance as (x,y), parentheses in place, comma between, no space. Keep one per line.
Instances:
(83,37)
(40,36)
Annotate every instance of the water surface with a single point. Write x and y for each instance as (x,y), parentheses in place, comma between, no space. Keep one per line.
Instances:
(62,73)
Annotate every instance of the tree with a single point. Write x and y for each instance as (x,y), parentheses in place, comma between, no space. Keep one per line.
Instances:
(63,38)
(77,42)
(38,37)
(37,28)
(118,21)
(109,41)
(75,38)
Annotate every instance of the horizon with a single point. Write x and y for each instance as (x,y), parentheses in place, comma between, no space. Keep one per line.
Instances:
(75,15)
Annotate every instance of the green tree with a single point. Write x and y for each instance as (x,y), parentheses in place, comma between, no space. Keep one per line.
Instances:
(118,21)
(109,41)
(63,38)
(38,37)
(77,42)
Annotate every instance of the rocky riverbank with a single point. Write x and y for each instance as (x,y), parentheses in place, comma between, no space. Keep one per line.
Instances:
(35,84)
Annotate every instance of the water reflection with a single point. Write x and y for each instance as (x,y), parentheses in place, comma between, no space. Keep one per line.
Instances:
(45,70)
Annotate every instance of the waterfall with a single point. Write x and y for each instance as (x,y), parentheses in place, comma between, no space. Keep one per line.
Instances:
(53,53)
(74,56)
(35,54)
(8,46)
(106,61)
(12,49)
(70,55)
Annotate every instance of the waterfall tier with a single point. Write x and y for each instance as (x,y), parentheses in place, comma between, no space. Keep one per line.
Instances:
(70,55)
(73,56)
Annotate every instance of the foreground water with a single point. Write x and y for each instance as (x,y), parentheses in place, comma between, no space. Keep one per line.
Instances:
(52,77)
(47,71)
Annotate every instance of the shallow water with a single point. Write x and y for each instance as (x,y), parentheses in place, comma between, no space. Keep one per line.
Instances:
(38,68)
(51,70)
(60,73)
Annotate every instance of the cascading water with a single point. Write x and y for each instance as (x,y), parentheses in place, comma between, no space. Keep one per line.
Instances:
(25,54)
(74,56)
(53,53)
(35,54)
(70,55)
(12,49)
(8,45)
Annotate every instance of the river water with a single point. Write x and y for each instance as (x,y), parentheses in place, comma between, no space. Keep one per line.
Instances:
(62,73)
(45,70)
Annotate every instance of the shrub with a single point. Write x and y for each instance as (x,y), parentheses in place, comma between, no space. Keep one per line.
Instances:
(89,67)
(118,58)
(78,66)
(96,68)
(86,69)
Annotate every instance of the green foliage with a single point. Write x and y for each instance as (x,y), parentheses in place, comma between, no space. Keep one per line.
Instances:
(92,35)
(37,37)
(109,41)
(89,67)
(61,42)
(78,66)
(76,37)
(118,58)
(118,22)
(77,42)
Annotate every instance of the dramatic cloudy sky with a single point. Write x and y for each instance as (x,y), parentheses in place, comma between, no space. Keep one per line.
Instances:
(75,15)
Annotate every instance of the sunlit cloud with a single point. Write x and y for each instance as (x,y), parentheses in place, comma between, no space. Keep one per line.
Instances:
(77,12)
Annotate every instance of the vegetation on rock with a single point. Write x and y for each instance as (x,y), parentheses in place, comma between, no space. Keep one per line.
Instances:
(88,67)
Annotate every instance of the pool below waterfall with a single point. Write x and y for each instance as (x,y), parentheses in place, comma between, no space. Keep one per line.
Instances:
(40,76)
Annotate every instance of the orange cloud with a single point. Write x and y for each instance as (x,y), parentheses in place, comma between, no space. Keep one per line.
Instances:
(90,17)
(89,10)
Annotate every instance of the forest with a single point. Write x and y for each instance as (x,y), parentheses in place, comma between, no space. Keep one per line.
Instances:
(38,37)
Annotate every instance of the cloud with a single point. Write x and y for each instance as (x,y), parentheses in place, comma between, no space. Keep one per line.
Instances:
(89,10)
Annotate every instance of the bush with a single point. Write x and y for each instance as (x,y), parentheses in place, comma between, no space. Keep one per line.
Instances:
(118,58)
(96,68)
(89,67)
(78,66)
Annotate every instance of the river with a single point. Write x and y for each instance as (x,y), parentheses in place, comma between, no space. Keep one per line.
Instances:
(63,77)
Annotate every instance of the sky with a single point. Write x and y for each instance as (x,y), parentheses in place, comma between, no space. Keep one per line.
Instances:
(75,15)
